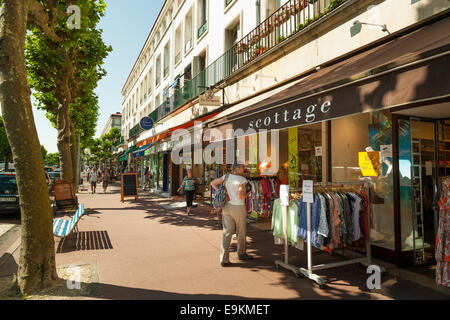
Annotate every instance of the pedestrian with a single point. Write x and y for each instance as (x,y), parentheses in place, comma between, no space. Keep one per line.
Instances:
(234,213)
(93,178)
(147,177)
(188,185)
(105,180)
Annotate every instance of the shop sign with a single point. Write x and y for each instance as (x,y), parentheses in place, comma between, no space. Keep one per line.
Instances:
(386,151)
(277,118)
(369,163)
(284,194)
(146,123)
(208,99)
(308,191)
(318,151)
(293,157)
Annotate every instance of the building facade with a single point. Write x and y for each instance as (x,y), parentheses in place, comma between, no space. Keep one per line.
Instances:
(356,93)
(114,121)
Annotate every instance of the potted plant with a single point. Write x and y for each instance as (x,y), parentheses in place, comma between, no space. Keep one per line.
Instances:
(276,20)
(258,50)
(241,47)
(300,26)
(285,13)
(280,39)
(254,39)
(266,30)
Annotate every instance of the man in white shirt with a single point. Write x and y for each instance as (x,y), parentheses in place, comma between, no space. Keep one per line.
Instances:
(93,177)
(234,213)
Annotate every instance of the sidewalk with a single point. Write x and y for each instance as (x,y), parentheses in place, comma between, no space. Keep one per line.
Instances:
(140,250)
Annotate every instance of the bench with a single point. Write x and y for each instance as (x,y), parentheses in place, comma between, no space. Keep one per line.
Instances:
(62,227)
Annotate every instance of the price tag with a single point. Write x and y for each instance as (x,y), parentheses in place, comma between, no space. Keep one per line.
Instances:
(308,191)
(386,151)
(319,151)
(284,194)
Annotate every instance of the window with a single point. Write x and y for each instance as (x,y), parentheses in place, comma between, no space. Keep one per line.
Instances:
(178,44)
(201,17)
(167,59)
(188,26)
(158,70)
(351,136)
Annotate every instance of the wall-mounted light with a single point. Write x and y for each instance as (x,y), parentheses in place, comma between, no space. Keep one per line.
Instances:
(357,26)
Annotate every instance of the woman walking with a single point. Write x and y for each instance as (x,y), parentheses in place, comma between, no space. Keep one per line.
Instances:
(105,180)
(147,177)
(189,186)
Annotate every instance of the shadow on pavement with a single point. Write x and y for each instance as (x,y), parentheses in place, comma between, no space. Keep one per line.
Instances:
(8,265)
(85,240)
(346,282)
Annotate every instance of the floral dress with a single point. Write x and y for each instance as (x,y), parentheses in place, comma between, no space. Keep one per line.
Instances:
(443,236)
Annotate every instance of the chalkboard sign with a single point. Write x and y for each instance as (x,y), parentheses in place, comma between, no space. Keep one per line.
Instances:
(129,186)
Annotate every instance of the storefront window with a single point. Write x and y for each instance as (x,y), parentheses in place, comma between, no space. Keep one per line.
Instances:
(301,155)
(351,139)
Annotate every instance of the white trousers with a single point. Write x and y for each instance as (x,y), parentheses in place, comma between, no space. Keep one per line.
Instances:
(234,220)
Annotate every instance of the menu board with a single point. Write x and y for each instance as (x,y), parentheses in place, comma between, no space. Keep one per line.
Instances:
(129,186)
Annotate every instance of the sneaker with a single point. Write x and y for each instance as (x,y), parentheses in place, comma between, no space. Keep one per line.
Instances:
(245,257)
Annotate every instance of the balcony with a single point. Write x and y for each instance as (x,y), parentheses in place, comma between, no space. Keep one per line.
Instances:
(202,29)
(291,18)
(227,2)
(118,142)
(135,131)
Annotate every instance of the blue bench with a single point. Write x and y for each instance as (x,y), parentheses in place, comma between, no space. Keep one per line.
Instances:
(62,227)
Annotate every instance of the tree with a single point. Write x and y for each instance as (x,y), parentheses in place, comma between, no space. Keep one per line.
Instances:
(5,148)
(52,159)
(64,75)
(44,153)
(37,268)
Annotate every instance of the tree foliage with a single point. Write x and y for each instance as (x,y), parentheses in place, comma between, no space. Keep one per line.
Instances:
(52,159)
(101,149)
(65,73)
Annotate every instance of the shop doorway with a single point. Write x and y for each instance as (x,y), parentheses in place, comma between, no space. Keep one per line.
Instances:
(423,157)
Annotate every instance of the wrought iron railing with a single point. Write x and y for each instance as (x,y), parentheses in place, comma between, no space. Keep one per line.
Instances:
(202,29)
(290,18)
(118,142)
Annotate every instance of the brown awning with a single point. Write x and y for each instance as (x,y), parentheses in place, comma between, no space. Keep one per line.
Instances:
(412,68)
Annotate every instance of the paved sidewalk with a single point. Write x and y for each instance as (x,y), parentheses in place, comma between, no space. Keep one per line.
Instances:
(141,250)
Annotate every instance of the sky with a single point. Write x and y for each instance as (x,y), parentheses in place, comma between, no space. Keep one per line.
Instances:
(126,26)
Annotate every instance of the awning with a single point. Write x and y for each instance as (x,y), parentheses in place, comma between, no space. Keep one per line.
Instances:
(124,157)
(140,152)
(411,68)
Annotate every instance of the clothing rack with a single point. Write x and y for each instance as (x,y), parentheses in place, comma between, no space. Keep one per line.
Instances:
(308,272)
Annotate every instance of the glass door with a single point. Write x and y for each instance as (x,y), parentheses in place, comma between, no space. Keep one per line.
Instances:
(417,164)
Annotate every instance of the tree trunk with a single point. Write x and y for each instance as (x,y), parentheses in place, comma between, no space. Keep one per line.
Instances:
(64,120)
(37,267)
(73,152)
